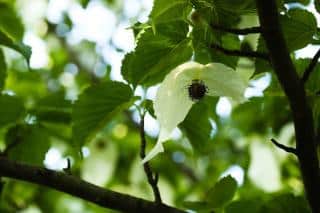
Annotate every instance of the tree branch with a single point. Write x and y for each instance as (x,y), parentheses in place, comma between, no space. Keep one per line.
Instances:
(152,179)
(244,31)
(294,90)
(79,188)
(249,54)
(311,67)
(283,147)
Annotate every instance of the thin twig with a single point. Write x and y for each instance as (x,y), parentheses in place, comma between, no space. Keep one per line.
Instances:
(68,168)
(242,53)
(283,147)
(152,179)
(311,67)
(244,31)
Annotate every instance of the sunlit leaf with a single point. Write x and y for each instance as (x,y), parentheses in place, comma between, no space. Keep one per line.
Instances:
(156,54)
(169,10)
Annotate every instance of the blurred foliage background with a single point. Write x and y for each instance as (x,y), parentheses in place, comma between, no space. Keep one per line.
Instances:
(76,44)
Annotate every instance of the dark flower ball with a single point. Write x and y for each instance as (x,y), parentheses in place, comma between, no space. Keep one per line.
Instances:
(197,90)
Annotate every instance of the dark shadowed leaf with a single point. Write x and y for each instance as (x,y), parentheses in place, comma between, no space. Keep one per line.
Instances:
(29,143)
(54,108)
(197,127)
(317,5)
(222,192)
(312,85)
(204,37)
(11,109)
(23,49)
(3,70)
(10,22)
(299,26)
(286,203)
(248,206)
(148,105)
(96,106)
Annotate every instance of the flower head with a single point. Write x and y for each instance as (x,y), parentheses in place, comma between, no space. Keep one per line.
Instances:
(173,101)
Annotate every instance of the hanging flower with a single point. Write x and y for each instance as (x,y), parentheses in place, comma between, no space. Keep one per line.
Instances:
(184,86)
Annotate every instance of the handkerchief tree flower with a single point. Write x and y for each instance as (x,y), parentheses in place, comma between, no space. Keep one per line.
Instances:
(174,98)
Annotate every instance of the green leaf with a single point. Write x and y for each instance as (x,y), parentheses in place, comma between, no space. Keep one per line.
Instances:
(203,38)
(84,3)
(23,49)
(95,107)
(3,70)
(239,7)
(164,11)
(312,85)
(29,143)
(304,2)
(317,5)
(197,127)
(247,206)
(262,108)
(224,12)
(11,109)
(298,26)
(148,105)
(156,54)
(54,108)
(316,113)
(286,203)
(10,22)
(222,192)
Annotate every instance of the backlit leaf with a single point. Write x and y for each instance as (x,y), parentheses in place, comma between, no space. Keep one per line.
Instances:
(169,10)
(156,54)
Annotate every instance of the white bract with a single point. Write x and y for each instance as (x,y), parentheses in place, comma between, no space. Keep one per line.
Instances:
(173,103)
